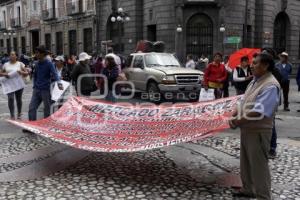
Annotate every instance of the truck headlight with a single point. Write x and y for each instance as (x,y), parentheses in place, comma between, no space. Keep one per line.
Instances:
(169,80)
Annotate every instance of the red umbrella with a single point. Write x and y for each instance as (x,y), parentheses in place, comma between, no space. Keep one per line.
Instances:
(235,58)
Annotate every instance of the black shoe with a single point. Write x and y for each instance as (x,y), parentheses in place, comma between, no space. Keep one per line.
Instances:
(239,194)
(287,110)
(27,131)
(272,154)
(298,110)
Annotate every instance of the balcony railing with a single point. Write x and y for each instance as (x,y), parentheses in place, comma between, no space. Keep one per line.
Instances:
(16,22)
(2,25)
(74,7)
(49,14)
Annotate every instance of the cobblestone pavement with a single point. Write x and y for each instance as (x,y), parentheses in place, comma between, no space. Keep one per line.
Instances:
(144,175)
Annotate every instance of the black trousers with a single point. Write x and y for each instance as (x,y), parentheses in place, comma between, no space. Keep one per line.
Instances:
(286,90)
(11,102)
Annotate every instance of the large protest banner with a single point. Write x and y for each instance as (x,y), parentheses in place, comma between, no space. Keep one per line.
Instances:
(104,127)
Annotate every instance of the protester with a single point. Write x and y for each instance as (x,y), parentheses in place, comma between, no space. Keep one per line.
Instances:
(215,76)
(62,70)
(117,59)
(256,122)
(286,69)
(98,70)
(86,84)
(277,74)
(71,63)
(44,70)
(13,65)
(202,63)
(5,59)
(242,76)
(228,79)
(190,64)
(111,72)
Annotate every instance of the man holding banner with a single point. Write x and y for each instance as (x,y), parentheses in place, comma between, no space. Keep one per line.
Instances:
(255,120)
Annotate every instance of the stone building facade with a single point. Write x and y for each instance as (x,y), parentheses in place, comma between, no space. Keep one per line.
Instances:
(247,23)
(63,26)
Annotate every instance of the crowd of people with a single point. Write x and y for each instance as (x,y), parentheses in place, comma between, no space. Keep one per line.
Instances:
(219,75)
(260,81)
(45,69)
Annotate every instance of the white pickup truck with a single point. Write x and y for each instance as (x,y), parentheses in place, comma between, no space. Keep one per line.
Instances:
(162,73)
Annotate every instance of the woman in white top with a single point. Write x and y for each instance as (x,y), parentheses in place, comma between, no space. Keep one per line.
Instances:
(14,66)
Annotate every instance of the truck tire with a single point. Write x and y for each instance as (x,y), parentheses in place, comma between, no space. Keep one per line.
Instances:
(153,92)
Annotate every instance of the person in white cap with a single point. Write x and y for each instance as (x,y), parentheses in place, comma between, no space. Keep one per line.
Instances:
(86,85)
(285,69)
(117,59)
(61,69)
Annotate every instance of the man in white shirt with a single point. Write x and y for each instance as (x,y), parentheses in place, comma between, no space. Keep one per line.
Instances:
(190,62)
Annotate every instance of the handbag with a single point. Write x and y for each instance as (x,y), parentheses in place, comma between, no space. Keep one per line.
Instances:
(215,85)
(207,95)
(27,79)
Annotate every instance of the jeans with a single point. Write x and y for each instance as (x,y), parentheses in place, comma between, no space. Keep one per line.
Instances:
(110,97)
(274,138)
(39,96)
(11,102)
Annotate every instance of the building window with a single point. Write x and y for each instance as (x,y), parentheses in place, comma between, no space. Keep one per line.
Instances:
(150,15)
(15,43)
(19,16)
(72,42)
(23,45)
(88,40)
(48,41)
(34,5)
(89,5)
(8,46)
(199,36)
(59,43)
(151,32)
(4,19)
(281,32)
(1,43)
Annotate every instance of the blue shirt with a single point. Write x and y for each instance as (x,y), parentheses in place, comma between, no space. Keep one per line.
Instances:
(44,70)
(285,71)
(266,103)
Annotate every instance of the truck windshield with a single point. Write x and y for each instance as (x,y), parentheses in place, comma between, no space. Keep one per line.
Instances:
(166,60)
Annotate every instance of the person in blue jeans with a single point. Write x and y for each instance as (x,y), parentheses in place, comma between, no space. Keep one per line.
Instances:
(41,84)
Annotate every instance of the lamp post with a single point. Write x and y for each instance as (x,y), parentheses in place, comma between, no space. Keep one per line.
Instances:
(9,32)
(177,39)
(222,30)
(119,17)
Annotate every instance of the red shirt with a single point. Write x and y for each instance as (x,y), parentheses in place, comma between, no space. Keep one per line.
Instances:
(215,73)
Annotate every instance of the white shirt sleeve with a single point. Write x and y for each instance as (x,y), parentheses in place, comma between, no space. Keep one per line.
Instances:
(236,78)
(22,65)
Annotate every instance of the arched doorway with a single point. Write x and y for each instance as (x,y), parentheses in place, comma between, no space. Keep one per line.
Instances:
(281,32)
(199,35)
(115,33)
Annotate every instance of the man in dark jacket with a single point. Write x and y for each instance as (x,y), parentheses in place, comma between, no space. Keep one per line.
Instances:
(286,69)
(85,85)
(41,84)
